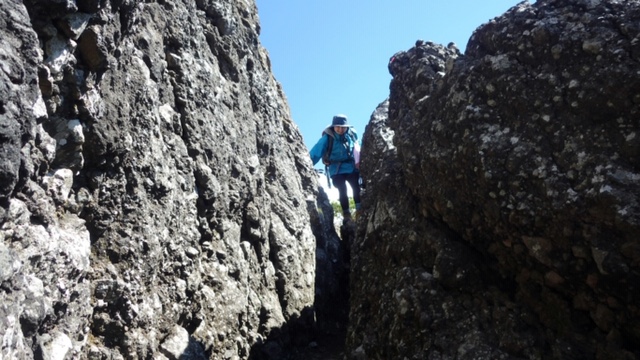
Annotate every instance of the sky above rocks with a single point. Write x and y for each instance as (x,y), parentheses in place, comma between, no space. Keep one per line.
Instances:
(331,56)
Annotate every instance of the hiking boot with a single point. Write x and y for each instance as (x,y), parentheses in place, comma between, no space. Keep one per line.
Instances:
(346,218)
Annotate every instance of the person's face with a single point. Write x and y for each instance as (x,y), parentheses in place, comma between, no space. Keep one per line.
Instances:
(340,129)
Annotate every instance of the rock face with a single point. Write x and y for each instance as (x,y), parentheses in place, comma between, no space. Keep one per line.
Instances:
(514,227)
(157,202)
(154,188)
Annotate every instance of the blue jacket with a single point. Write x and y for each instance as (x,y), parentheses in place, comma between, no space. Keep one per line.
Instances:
(341,156)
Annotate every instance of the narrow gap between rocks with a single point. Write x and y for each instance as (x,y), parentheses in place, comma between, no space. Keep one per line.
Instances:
(332,316)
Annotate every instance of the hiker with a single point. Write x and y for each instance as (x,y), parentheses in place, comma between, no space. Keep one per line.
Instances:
(340,153)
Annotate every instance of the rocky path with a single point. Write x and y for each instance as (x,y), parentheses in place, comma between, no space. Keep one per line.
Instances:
(328,347)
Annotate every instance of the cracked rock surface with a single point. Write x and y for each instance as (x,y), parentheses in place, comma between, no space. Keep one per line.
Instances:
(514,225)
(154,189)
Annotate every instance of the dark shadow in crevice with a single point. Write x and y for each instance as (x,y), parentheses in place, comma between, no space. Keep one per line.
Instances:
(319,332)
(292,341)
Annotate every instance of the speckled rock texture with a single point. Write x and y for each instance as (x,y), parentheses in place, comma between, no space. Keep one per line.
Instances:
(154,196)
(509,226)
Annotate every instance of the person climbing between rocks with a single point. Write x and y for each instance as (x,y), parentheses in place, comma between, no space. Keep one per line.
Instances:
(340,153)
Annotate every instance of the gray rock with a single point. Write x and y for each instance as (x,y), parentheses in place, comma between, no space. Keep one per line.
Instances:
(511,231)
(54,346)
(176,343)
(152,180)
(74,24)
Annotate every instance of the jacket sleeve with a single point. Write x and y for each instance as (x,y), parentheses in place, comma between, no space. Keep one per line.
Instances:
(318,149)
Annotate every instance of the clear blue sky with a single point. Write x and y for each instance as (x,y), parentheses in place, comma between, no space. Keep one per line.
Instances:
(331,55)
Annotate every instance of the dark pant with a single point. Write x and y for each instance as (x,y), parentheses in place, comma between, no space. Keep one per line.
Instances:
(340,182)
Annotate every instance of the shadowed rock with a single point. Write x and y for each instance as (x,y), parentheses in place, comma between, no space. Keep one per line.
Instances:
(516,171)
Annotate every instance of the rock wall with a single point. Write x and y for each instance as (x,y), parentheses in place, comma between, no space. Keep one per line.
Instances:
(154,197)
(513,230)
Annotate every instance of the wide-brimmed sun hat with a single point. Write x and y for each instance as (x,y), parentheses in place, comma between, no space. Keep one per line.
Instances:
(340,120)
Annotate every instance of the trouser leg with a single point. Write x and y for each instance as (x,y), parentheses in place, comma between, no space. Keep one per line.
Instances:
(353,180)
(339,181)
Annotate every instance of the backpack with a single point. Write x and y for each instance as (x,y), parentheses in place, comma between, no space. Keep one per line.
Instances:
(327,154)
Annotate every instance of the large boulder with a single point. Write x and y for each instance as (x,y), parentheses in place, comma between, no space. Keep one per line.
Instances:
(154,187)
(524,152)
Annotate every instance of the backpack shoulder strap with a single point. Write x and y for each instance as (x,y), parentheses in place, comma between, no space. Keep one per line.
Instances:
(327,153)
(350,142)
(351,135)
